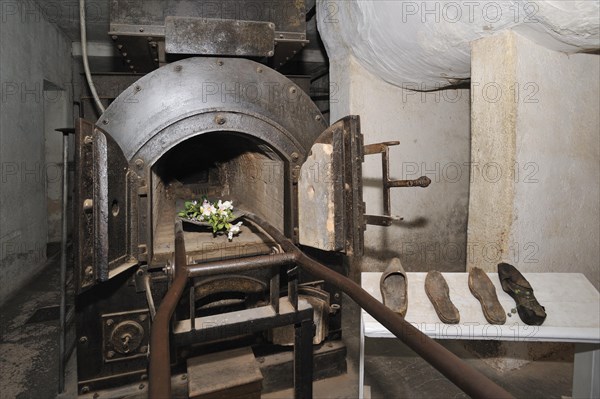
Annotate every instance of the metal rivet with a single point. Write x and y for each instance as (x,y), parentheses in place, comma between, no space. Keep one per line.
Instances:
(139,163)
(318,118)
(141,29)
(88,204)
(220,63)
(120,46)
(295,156)
(142,317)
(143,349)
(85,389)
(220,120)
(110,354)
(259,70)
(178,68)
(270,53)
(124,54)
(184,377)
(292,90)
(144,377)
(105,122)
(83,340)
(138,88)
(89,271)
(131,67)
(115,37)
(110,322)
(88,140)
(142,386)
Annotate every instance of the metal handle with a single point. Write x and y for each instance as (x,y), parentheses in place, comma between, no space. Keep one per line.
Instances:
(384,149)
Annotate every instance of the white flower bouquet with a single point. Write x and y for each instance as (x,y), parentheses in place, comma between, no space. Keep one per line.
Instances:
(219,215)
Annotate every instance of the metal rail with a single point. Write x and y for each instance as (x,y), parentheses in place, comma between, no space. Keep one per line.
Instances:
(460,373)
(457,371)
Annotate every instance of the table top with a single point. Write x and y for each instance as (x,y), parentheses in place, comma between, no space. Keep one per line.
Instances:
(571,301)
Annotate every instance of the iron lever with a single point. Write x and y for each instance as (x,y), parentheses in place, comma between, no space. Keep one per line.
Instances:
(384,149)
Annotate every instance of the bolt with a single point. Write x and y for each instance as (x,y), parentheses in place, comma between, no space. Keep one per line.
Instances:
(153,44)
(295,156)
(220,63)
(337,295)
(89,271)
(115,37)
(259,70)
(139,163)
(144,377)
(110,322)
(140,272)
(220,120)
(141,29)
(143,317)
(142,386)
(292,90)
(83,340)
(85,389)
(120,46)
(138,88)
(88,205)
(318,118)
(143,349)
(184,377)
(88,140)
(105,122)
(131,67)
(110,354)
(124,54)
(271,53)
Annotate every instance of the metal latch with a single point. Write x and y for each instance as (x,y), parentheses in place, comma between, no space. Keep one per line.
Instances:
(384,149)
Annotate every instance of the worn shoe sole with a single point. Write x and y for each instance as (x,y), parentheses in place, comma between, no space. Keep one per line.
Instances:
(438,293)
(394,287)
(515,285)
(482,288)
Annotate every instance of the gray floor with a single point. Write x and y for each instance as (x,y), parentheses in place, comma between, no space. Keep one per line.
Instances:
(28,353)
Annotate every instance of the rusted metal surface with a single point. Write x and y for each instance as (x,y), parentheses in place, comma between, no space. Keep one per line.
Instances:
(384,149)
(102,207)
(461,374)
(160,371)
(210,36)
(330,190)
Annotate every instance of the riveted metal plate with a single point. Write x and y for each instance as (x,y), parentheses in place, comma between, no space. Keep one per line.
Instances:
(206,36)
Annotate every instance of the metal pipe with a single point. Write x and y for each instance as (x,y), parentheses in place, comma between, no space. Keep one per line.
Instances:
(84,55)
(460,373)
(63,262)
(240,265)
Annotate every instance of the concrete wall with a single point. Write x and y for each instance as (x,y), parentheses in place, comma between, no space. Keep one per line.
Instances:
(32,51)
(536,131)
(433,129)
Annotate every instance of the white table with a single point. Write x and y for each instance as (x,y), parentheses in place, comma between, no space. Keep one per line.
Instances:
(573,315)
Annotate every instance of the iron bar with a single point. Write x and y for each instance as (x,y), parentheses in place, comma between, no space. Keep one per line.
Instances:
(63,260)
(457,371)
